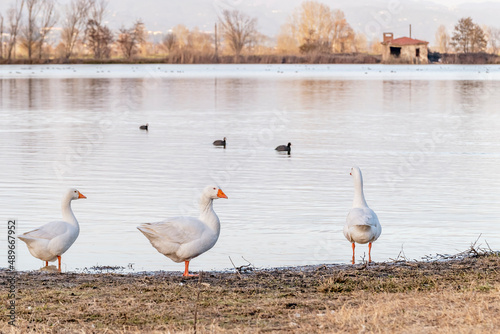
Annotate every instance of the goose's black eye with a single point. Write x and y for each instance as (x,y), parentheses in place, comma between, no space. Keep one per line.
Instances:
(214,188)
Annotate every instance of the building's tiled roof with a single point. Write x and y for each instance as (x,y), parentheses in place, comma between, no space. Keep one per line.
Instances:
(405,41)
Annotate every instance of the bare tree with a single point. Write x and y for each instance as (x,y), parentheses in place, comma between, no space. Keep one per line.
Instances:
(140,33)
(126,42)
(468,36)
(99,39)
(181,33)
(312,26)
(317,28)
(238,30)
(97,10)
(97,35)
(130,39)
(360,43)
(342,33)
(14,17)
(31,31)
(200,41)
(48,20)
(285,42)
(442,39)
(76,18)
(1,36)
(493,37)
(478,40)
(260,45)
(169,42)
(376,46)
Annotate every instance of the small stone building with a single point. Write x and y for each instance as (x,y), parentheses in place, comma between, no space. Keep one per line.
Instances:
(404,49)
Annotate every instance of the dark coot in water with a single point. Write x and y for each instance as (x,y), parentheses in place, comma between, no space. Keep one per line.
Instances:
(220,142)
(284,148)
(144,127)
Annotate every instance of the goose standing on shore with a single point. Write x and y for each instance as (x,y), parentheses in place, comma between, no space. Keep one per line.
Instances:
(51,240)
(362,225)
(184,238)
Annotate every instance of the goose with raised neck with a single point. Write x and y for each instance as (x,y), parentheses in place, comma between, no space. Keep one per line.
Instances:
(53,239)
(183,238)
(362,225)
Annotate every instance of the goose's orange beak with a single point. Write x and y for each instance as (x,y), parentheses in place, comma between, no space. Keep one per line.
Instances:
(221,194)
(80,195)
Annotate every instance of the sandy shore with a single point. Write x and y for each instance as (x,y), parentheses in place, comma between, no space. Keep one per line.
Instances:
(458,295)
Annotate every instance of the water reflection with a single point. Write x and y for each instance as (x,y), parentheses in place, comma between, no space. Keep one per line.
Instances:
(428,150)
(471,94)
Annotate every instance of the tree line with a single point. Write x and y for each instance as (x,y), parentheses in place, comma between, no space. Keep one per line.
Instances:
(313,28)
(468,37)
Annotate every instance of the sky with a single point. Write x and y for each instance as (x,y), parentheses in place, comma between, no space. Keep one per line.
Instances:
(452,3)
(371,17)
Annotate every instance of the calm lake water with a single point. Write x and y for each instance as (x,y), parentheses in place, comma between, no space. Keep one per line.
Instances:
(427,139)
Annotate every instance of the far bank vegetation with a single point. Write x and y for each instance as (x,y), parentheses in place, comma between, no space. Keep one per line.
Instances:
(44,31)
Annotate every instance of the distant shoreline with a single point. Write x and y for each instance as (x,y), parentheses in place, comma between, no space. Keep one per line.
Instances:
(332,59)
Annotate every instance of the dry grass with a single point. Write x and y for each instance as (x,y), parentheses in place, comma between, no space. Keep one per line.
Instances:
(457,295)
(479,58)
(200,58)
(192,57)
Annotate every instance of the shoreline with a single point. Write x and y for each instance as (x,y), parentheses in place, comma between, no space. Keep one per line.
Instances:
(454,294)
(249,269)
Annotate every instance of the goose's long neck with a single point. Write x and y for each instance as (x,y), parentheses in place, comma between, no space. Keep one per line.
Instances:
(359,196)
(67,213)
(207,214)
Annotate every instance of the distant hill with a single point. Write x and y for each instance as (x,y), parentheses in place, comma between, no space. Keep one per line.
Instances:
(370,17)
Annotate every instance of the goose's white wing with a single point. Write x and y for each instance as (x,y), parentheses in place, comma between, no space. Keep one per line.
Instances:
(48,231)
(50,240)
(362,216)
(174,234)
(362,226)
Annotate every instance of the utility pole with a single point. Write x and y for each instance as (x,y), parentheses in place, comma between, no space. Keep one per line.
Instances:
(410,30)
(216,45)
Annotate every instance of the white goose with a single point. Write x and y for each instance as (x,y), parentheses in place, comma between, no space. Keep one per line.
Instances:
(184,238)
(362,225)
(51,240)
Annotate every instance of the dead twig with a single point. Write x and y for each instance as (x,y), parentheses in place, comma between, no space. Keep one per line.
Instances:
(473,247)
(474,250)
(242,269)
(246,267)
(365,263)
(489,248)
(401,256)
(237,271)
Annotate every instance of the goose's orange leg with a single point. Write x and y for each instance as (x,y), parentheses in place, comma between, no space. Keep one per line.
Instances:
(353,246)
(370,252)
(46,263)
(186,269)
(59,263)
